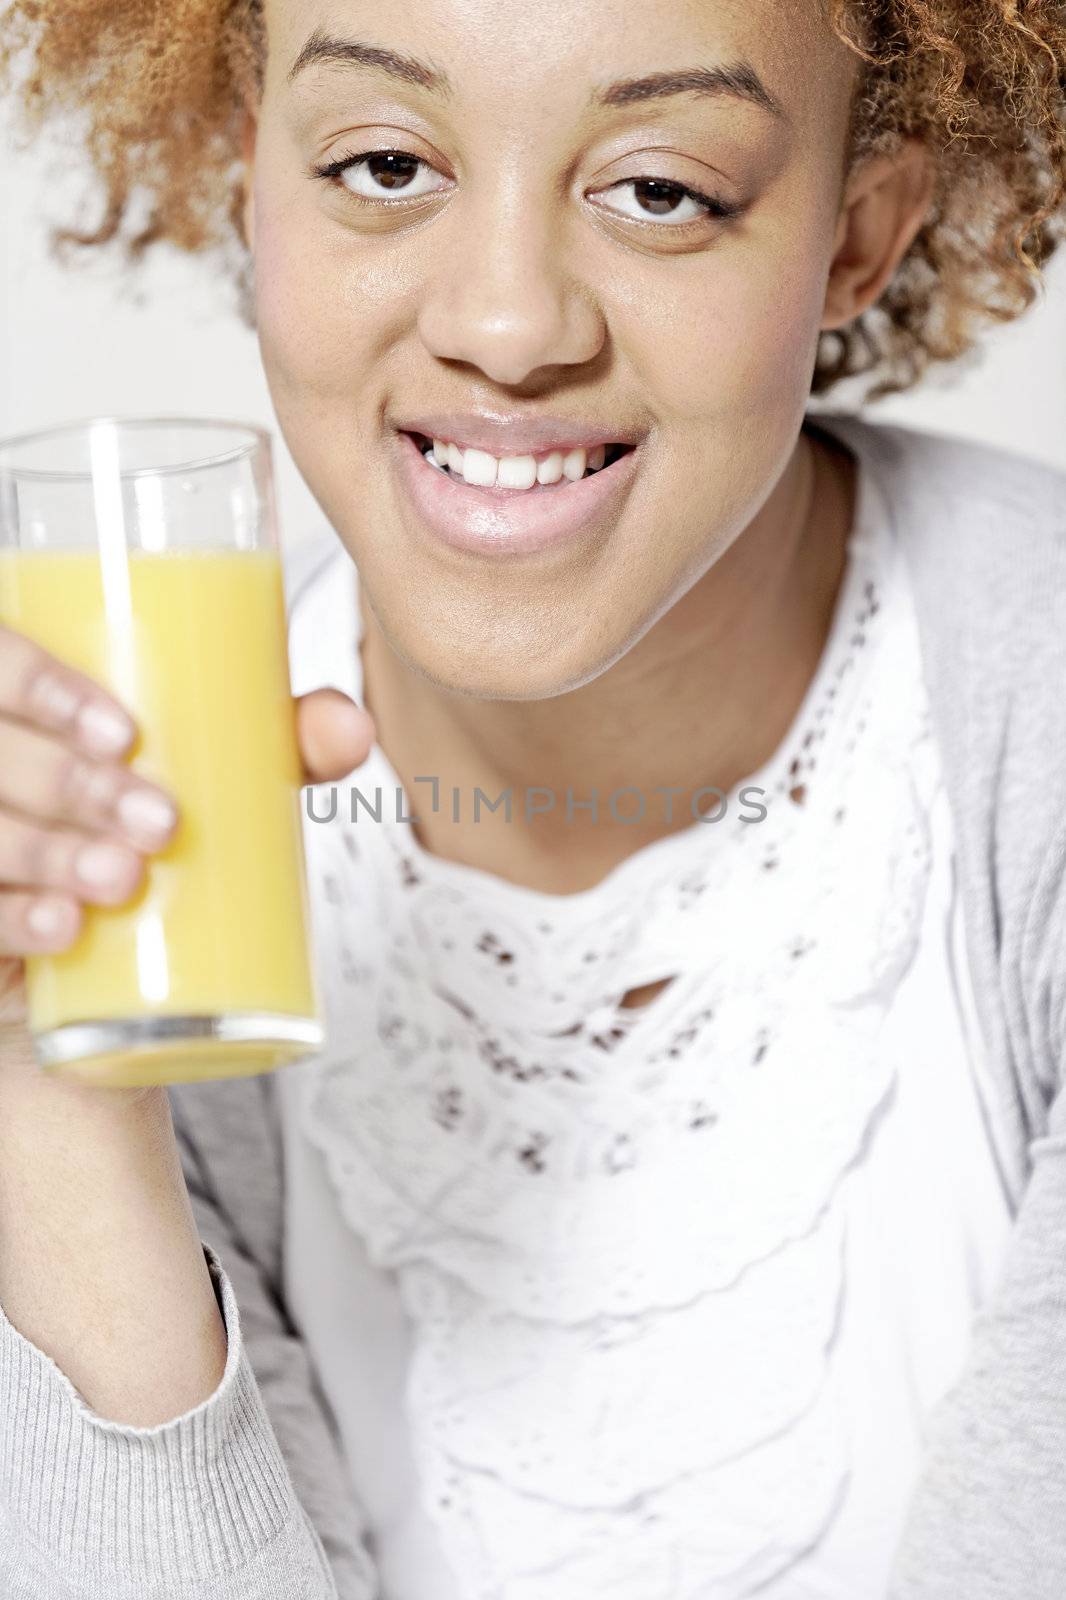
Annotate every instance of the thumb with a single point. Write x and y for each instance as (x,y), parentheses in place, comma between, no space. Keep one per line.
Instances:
(334,734)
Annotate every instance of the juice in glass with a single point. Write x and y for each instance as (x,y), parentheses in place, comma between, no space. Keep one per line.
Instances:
(192,641)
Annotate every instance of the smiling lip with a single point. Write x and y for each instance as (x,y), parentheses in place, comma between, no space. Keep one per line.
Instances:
(510,522)
(513,436)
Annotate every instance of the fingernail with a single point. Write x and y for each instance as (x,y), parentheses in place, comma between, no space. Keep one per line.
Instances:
(149,815)
(58,699)
(48,919)
(104,730)
(101,866)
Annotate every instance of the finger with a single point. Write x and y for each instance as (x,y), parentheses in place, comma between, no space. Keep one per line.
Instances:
(51,782)
(335,734)
(33,924)
(103,871)
(38,689)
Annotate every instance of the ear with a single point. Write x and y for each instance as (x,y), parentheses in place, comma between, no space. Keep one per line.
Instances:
(885,203)
(249,131)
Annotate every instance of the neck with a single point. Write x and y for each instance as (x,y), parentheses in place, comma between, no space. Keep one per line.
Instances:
(701,701)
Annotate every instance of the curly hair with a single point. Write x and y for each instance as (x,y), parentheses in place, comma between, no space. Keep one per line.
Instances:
(160,89)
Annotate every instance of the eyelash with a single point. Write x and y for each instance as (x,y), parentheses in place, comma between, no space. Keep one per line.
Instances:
(716,208)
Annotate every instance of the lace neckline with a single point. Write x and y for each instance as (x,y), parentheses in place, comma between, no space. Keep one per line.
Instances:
(865,551)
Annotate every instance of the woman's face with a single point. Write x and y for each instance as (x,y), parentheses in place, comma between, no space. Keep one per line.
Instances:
(549,247)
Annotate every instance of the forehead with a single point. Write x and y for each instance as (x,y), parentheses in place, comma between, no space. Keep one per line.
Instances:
(551,55)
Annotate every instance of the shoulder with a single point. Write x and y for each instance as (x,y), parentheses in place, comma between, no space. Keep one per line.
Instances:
(951,492)
(983,533)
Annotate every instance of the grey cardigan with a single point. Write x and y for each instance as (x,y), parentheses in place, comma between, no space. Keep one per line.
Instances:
(247,1497)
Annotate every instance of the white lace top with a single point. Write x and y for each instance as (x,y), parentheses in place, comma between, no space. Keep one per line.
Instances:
(650,1303)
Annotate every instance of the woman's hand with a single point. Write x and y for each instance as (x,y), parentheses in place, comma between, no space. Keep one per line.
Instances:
(101,1264)
(77,824)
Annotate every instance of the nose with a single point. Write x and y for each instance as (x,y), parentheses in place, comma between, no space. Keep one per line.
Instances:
(503,296)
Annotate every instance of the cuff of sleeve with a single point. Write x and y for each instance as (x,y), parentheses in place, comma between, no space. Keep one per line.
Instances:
(185,1500)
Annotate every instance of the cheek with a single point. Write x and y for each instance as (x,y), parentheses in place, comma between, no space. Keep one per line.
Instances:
(294,312)
(738,339)
(318,317)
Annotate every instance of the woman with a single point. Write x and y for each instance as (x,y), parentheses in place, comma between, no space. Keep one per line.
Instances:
(677,1211)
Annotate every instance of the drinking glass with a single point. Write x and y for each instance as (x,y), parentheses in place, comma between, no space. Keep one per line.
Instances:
(144,553)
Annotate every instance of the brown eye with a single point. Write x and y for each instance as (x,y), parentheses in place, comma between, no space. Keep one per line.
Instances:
(381,175)
(672,204)
(392,169)
(661,199)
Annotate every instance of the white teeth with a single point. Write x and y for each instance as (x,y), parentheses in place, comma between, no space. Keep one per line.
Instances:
(574,464)
(479,468)
(517,472)
(485,471)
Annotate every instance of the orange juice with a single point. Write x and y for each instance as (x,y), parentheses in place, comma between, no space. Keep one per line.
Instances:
(193,643)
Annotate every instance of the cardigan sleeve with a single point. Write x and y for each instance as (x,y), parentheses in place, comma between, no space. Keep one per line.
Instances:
(988,1517)
(241,1498)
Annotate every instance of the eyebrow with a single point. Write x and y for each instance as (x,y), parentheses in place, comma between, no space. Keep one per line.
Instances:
(738,81)
(322,49)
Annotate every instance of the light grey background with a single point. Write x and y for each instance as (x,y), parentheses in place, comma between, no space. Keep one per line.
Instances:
(90,340)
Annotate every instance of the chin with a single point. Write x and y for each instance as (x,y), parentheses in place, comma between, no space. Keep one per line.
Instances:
(508,669)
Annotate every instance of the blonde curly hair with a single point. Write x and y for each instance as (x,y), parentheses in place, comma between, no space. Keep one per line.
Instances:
(161,87)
